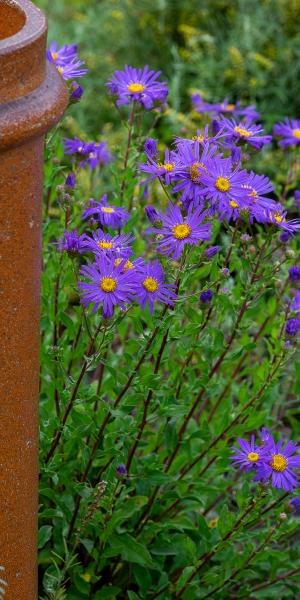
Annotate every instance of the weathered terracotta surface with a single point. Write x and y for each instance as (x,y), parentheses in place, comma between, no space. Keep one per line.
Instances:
(33,97)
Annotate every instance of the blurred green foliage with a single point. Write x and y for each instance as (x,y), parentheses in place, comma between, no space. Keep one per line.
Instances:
(235,48)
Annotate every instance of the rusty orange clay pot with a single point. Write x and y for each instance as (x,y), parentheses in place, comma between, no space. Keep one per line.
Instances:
(33,97)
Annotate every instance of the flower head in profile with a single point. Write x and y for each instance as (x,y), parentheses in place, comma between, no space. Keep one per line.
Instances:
(223,108)
(245,131)
(72,242)
(138,85)
(106,214)
(118,246)
(203,136)
(277,216)
(151,287)
(289,131)
(279,464)
(66,60)
(178,230)
(108,284)
(87,153)
(164,170)
(248,456)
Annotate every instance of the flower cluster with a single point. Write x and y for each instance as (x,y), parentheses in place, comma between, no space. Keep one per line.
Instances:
(66,61)
(270,460)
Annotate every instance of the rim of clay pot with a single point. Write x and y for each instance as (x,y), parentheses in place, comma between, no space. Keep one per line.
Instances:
(20,23)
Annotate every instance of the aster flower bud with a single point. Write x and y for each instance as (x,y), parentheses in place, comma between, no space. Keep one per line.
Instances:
(70,180)
(297,198)
(294,504)
(252,249)
(121,470)
(292,327)
(225,272)
(150,147)
(76,92)
(206,296)
(245,237)
(285,237)
(152,214)
(212,251)
(236,154)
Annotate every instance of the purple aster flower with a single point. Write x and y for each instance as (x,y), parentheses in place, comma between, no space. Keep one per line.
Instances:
(72,242)
(88,153)
(212,251)
(255,188)
(277,216)
(77,147)
(294,273)
(223,187)
(104,243)
(107,214)
(164,170)
(99,155)
(150,147)
(246,131)
(65,54)
(152,214)
(177,230)
(202,136)
(224,107)
(294,503)
(249,456)
(278,463)
(70,180)
(193,160)
(71,70)
(109,285)
(295,304)
(292,327)
(151,287)
(138,85)
(76,92)
(121,470)
(206,296)
(289,130)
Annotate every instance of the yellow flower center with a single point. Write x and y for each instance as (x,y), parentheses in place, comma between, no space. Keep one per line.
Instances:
(108,284)
(150,284)
(279,463)
(135,87)
(233,204)
(253,193)
(54,55)
(198,138)
(222,184)
(127,265)
(296,133)
(195,171)
(229,106)
(60,70)
(243,132)
(278,217)
(253,456)
(105,245)
(181,231)
(168,167)
(107,209)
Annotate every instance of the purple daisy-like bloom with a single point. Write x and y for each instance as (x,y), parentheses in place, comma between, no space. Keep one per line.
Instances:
(223,187)
(109,284)
(87,153)
(107,214)
(164,170)
(289,130)
(224,107)
(277,216)
(202,136)
(104,243)
(177,230)
(71,70)
(255,188)
(292,327)
(138,85)
(246,131)
(294,273)
(249,456)
(278,463)
(66,60)
(151,287)
(72,242)
(193,161)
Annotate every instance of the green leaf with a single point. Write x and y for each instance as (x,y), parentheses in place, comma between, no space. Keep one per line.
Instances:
(45,533)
